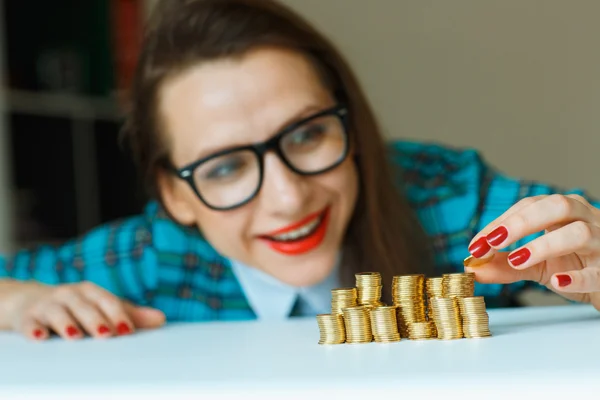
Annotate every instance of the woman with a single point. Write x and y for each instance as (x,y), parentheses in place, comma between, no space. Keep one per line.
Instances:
(273,186)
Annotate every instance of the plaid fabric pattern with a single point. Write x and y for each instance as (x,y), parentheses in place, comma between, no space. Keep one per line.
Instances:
(151,260)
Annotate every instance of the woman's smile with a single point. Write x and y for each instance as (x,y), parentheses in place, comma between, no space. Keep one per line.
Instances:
(299,237)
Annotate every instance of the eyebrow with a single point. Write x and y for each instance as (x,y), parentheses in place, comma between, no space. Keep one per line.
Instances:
(297,117)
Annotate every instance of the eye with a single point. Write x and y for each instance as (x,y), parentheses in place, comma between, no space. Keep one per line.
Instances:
(307,134)
(225,168)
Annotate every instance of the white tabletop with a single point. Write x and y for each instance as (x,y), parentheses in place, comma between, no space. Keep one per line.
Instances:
(546,350)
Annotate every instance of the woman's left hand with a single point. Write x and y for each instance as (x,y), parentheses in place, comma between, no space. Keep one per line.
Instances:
(566,259)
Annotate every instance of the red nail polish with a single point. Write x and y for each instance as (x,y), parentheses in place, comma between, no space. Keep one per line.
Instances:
(123,329)
(38,333)
(103,330)
(564,280)
(479,248)
(497,236)
(519,256)
(72,331)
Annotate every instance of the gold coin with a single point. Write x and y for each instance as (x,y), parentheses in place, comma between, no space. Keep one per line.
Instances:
(384,324)
(332,329)
(358,325)
(423,308)
(458,284)
(477,262)
(368,285)
(421,330)
(475,319)
(408,286)
(343,298)
(368,279)
(408,294)
(446,315)
(434,287)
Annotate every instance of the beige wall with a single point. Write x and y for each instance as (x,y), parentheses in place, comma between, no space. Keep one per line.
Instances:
(518,79)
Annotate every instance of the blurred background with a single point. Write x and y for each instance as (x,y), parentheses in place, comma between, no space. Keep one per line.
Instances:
(517,79)
(64,65)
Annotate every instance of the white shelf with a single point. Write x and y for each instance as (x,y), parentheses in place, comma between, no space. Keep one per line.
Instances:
(83,112)
(6,208)
(63,105)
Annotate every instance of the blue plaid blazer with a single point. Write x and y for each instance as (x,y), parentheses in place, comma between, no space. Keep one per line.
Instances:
(151,260)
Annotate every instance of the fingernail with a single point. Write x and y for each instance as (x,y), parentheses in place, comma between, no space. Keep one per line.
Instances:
(103,330)
(497,236)
(38,333)
(564,280)
(476,262)
(123,329)
(479,248)
(72,331)
(519,257)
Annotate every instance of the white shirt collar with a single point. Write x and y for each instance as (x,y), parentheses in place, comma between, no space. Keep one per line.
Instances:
(272,299)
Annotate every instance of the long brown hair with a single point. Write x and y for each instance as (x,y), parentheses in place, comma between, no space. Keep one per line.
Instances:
(384,234)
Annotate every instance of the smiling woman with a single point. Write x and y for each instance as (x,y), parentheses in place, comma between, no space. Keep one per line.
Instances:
(272,185)
(286,136)
(252,99)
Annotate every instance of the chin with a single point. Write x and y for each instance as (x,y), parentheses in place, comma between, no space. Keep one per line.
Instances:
(306,272)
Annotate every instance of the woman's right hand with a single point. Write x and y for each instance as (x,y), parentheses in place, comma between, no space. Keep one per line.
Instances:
(74,310)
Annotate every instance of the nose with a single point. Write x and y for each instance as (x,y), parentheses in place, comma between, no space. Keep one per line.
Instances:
(283,191)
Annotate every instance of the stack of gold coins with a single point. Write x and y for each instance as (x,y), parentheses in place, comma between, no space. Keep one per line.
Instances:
(369,288)
(332,329)
(434,288)
(384,324)
(408,286)
(459,284)
(446,314)
(475,319)
(358,325)
(343,298)
(422,330)
(408,296)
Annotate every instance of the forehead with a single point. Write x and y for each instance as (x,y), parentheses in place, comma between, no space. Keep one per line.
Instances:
(237,101)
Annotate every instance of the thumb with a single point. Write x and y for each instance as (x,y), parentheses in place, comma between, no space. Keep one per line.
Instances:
(145,317)
(498,270)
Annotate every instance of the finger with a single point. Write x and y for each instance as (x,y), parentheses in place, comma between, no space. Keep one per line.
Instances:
(579,198)
(111,306)
(60,321)
(516,207)
(87,315)
(33,330)
(586,280)
(479,246)
(498,270)
(577,237)
(145,317)
(549,211)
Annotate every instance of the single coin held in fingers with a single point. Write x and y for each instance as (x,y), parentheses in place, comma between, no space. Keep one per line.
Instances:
(476,262)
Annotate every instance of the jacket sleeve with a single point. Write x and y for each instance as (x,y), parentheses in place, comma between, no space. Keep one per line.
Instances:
(116,256)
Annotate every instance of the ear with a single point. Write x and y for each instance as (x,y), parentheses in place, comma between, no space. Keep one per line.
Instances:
(177,197)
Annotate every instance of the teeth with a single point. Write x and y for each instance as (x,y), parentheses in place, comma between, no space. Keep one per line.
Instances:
(300,232)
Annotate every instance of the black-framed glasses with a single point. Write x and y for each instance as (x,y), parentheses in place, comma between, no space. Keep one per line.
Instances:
(233,177)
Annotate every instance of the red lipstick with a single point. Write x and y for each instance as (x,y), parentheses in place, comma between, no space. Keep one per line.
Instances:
(301,245)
